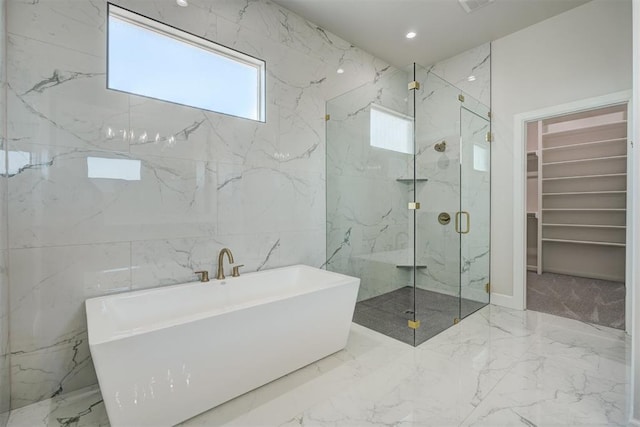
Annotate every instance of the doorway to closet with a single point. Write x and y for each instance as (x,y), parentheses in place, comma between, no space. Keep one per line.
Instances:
(576,199)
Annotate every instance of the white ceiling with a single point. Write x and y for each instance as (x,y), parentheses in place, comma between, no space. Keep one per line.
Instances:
(444,29)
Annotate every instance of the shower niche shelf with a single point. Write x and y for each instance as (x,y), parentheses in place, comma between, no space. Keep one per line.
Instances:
(408,180)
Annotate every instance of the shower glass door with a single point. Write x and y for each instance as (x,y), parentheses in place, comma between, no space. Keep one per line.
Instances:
(474,214)
(437,188)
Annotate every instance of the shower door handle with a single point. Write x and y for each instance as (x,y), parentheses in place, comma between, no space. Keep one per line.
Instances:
(458,216)
(468,222)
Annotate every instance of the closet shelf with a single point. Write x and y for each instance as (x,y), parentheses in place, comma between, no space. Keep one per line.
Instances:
(584,176)
(583,144)
(586,209)
(579,193)
(584,242)
(576,193)
(533,174)
(532,153)
(411,266)
(585,129)
(592,159)
(585,226)
(411,179)
(532,214)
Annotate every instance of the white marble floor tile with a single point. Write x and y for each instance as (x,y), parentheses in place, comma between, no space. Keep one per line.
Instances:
(554,391)
(498,367)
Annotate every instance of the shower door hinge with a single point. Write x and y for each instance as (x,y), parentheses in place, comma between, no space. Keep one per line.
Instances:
(489,137)
(414,324)
(414,85)
(461,98)
(327,117)
(456,320)
(414,205)
(489,114)
(487,287)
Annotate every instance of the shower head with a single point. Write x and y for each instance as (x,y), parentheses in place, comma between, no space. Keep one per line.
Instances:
(440,147)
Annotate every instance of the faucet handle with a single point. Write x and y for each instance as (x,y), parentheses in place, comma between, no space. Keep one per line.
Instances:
(235,272)
(204,275)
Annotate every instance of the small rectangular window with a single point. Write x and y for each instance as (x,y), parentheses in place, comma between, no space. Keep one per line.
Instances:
(124,169)
(390,130)
(152,59)
(480,158)
(16,160)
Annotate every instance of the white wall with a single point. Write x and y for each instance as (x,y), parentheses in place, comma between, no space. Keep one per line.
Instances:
(582,53)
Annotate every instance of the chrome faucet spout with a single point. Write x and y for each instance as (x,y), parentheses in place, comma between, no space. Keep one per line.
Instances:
(227,251)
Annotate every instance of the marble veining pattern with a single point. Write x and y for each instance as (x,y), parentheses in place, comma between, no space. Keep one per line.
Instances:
(366,238)
(470,71)
(496,367)
(201,180)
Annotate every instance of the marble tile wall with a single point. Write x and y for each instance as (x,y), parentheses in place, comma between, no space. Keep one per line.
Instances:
(367,216)
(469,71)
(5,368)
(206,180)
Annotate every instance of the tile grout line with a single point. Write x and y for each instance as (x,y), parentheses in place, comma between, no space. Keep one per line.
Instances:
(516,362)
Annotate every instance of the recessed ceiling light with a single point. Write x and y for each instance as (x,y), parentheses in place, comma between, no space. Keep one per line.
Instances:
(471,78)
(339,71)
(410,35)
(183,3)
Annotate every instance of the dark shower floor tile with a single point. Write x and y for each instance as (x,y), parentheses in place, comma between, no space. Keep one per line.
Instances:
(385,323)
(388,313)
(590,300)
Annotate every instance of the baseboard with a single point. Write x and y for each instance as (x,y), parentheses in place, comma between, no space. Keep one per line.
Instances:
(507,301)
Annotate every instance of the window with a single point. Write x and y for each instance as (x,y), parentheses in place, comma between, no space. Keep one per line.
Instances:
(391,130)
(16,160)
(480,158)
(152,59)
(124,169)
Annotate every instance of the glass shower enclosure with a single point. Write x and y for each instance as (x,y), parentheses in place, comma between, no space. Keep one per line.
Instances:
(408,175)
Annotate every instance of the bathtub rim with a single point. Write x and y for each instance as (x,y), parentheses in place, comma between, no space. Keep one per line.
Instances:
(100,332)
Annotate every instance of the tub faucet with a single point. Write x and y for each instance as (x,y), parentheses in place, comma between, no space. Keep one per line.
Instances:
(235,270)
(204,275)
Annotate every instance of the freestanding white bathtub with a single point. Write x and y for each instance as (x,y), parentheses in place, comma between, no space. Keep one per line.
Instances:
(167,354)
